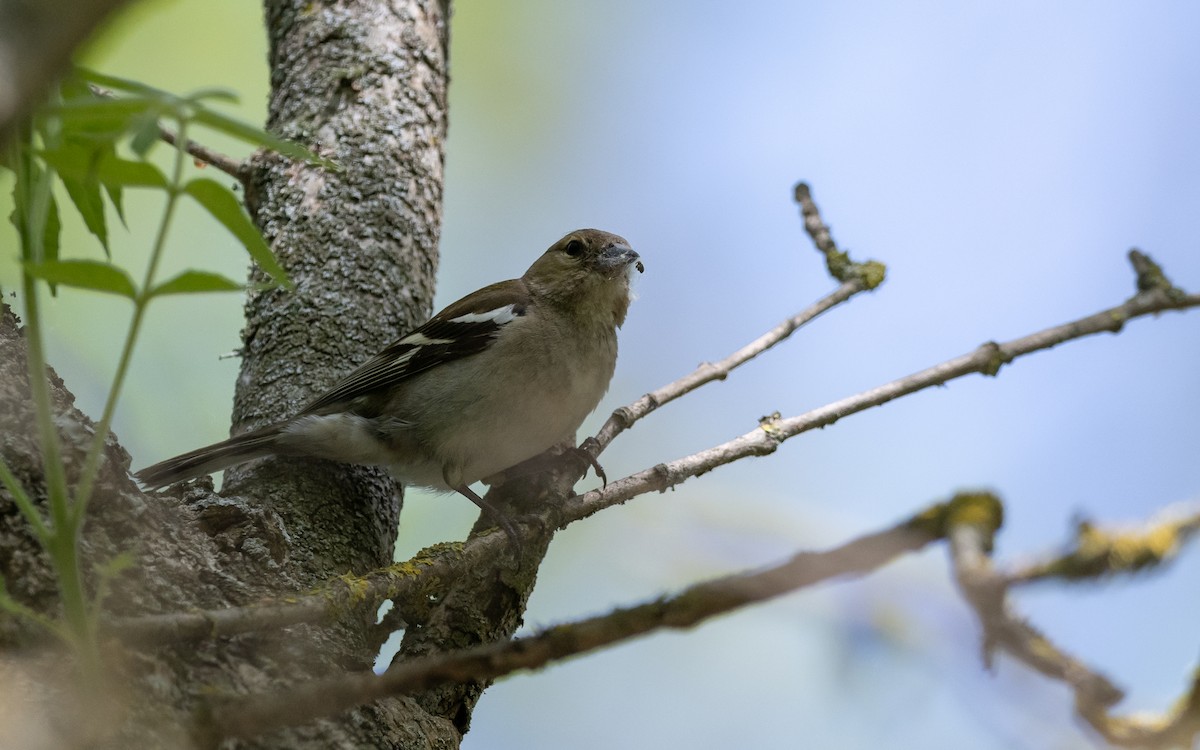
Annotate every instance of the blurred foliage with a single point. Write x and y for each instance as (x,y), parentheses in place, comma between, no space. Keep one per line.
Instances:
(93,139)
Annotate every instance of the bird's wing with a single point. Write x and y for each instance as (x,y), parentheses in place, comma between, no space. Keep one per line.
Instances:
(466,327)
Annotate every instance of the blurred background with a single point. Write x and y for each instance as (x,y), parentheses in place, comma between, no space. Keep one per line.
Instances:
(1000,159)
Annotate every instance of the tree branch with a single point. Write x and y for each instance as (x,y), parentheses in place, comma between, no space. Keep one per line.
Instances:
(987,359)
(227,164)
(254,715)
(435,565)
(855,278)
(969,521)
(441,563)
(1099,552)
(626,416)
(348,593)
(986,590)
(837,262)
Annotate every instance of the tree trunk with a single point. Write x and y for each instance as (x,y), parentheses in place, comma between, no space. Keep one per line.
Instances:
(363,84)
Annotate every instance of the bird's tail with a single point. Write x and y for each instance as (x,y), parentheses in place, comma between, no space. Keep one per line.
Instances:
(211,458)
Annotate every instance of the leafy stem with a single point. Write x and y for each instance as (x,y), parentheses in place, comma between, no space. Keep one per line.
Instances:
(74,141)
(140,303)
(60,539)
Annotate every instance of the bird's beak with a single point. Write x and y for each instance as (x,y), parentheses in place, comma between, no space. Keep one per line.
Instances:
(619,257)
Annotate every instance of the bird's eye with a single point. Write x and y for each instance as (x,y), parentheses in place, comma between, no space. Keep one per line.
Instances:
(574,248)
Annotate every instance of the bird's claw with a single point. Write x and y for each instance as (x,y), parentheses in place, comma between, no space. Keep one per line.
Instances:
(587,451)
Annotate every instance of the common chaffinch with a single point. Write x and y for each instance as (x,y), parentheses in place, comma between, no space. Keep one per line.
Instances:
(494,379)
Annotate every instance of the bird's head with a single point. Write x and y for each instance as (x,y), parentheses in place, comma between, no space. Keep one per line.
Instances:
(586,268)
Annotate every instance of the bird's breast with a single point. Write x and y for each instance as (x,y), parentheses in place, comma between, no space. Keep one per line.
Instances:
(489,419)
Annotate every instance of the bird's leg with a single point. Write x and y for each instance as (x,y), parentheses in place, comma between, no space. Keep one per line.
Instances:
(494,513)
(587,452)
(546,461)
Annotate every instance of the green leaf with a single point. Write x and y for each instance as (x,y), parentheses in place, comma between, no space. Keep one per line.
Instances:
(146,133)
(196,281)
(20,201)
(222,204)
(121,84)
(85,274)
(258,137)
(220,95)
(106,572)
(91,113)
(85,194)
(34,222)
(127,173)
(71,158)
(109,170)
(116,565)
(79,160)
(53,230)
(98,113)
(72,86)
(114,195)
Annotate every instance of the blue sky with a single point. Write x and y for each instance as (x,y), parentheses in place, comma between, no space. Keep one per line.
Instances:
(1000,159)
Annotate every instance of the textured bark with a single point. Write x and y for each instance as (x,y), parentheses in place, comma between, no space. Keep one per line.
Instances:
(364,84)
(486,604)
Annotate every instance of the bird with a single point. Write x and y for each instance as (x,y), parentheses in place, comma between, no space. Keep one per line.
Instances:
(492,380)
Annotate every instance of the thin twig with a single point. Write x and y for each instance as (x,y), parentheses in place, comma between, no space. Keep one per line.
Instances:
(237,169)
(434,566)
(442,563)
(227,164)
(253,715)
(986,590)
(1097,552)
(347,593)
(854,277)
(969,521)
(764,440)
(837,261)
(624,417)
